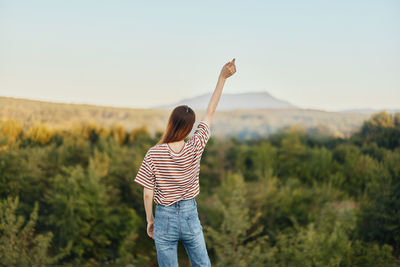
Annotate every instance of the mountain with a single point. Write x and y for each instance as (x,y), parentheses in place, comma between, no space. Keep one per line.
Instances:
(229,101)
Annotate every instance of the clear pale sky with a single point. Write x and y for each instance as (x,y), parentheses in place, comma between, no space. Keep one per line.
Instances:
(327,55)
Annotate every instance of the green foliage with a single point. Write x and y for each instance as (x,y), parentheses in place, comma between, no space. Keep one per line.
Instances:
(380,214)
(320,243)
(356,169)
(317,166)
(285,204)
(290,155)
(364,254)
(263,158)
(294,198)
(382,128)
(19,244)
(326,242)
(236,243)
(82,213)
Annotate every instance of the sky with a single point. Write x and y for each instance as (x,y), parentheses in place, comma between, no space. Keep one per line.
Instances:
(329,55)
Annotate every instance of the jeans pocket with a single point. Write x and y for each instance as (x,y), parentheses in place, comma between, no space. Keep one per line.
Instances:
(161,224)
(194,224)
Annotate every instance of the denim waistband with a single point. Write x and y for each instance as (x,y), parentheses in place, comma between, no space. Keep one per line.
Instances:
(183,203)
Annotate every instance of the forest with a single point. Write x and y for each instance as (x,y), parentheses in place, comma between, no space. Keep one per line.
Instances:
(67,197)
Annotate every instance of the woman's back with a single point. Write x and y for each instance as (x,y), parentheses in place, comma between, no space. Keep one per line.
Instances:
(171,179)
(174,176)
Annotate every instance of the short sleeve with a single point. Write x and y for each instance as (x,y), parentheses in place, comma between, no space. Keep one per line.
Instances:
(145,175)
(201,135)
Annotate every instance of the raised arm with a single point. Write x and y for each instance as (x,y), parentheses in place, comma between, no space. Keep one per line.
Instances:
(227,71)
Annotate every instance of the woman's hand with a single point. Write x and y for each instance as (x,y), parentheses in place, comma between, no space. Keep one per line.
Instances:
(228,69)
(150,229)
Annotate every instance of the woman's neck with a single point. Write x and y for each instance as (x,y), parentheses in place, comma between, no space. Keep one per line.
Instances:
(176,146)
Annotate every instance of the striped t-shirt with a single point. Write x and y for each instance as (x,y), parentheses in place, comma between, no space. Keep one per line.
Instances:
(174,176)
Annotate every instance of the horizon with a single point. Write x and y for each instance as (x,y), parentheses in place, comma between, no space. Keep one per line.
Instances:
(325,56)
(355,110)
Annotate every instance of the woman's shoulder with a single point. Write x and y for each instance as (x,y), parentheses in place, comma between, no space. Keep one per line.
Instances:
(154,151)
(157,148)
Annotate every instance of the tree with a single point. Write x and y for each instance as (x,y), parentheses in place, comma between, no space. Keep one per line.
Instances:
(327,242)
(397,119)
(381,128)
(291,155)
(237,242)
(355,169)
(82,213)
(382,119)
(19,245)
(379,219)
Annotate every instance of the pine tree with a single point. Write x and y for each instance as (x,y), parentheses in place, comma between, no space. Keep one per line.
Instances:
(237,243)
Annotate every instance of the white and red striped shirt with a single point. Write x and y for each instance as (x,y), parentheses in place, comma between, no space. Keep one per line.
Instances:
(174,176)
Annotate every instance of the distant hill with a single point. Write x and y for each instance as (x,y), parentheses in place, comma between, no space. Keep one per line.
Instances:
(229,101)
(369,111)
(242,123)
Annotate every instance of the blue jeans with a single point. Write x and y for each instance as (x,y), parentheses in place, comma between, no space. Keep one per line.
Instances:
(180,221)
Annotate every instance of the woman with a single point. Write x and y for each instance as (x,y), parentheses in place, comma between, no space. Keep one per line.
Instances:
(169,174)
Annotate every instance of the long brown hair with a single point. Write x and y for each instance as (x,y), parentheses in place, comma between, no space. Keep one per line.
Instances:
(180,124)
